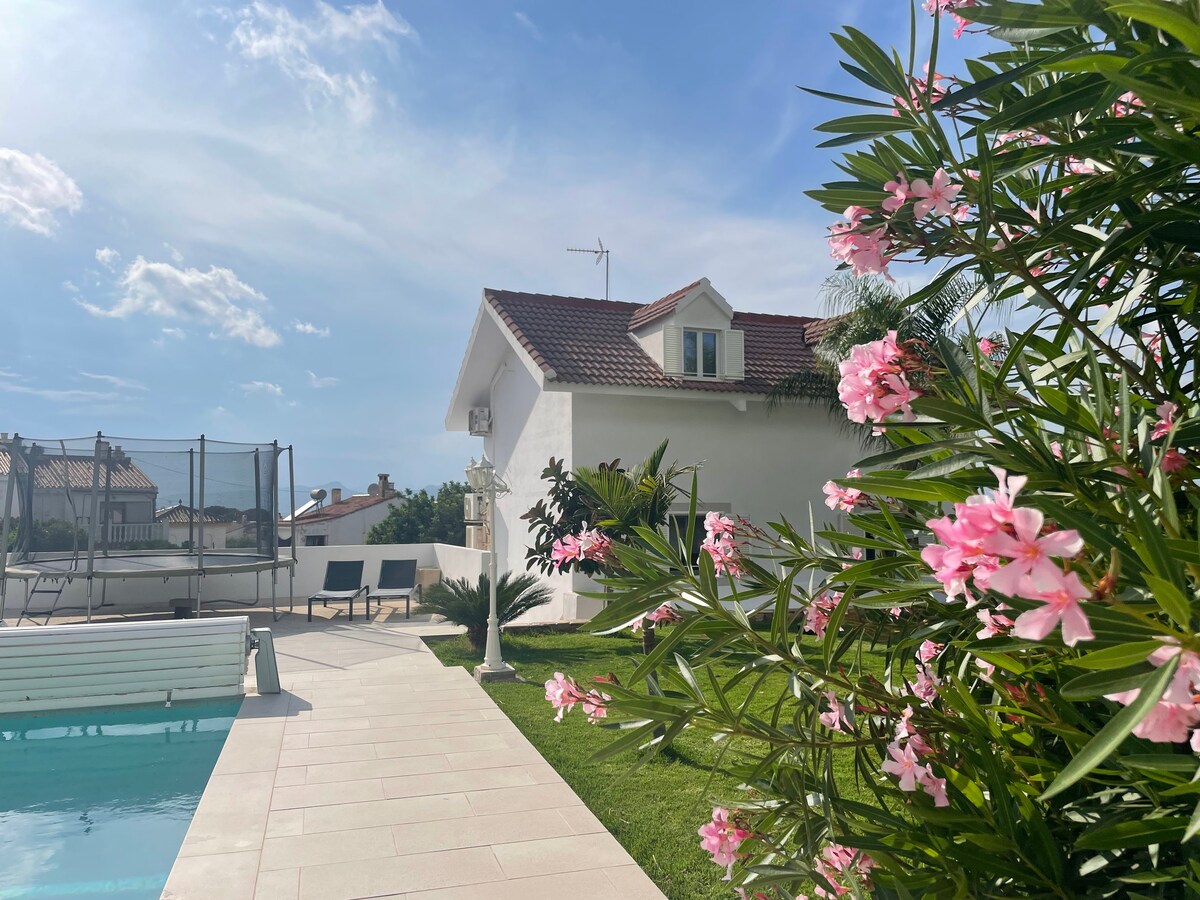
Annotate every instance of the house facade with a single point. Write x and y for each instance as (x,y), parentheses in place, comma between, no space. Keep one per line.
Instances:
(343,520)
(62,492)
(588,381)
(182,524)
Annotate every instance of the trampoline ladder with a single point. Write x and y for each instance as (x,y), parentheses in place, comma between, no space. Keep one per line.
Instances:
(57,588)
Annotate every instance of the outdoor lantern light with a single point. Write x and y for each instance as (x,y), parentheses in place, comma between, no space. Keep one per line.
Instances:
(481,476)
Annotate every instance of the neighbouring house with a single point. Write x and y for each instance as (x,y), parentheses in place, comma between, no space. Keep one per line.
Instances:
(183,526)
(341,520)
(588,381)
(62,492)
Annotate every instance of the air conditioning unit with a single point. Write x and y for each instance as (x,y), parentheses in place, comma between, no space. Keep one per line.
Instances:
(473,506)
(479,421)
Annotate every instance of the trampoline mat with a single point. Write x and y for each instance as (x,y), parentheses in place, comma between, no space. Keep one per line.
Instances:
(145,565)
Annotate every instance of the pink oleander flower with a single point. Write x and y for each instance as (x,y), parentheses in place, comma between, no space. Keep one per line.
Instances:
(988,669)
(842,498)
(987,348)
(835,719)
(1127,104)
(721,838)
(836,863)
(928,651)
(1079,166)
(715,523)
(904,765)
(1177,713)
(920,87)
(873,383)
(927,684)
(664,615)
(1153,343)
(1056,449)
(935,787)
(900,192)
(563,694)
(855,214)
(595,705)
(936,198)
(1029,551)
(994,624)
(936,7)
(1060,595)
(565,550)
(820,608)
(867,252)
(1173,461)
(1166,420)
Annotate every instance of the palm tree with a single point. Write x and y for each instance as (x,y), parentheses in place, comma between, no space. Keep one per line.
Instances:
(627,498)
(464,603)
(862,310)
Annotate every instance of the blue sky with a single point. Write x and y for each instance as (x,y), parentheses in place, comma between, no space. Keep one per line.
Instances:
(275,220)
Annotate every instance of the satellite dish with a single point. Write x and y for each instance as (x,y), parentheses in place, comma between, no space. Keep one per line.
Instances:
(373,490)
(318,494)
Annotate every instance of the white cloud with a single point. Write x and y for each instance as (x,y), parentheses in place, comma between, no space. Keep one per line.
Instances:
(262,387)
(310,328)
(116,381)
(527,24)
(108,257)
(213,298)
(57,395)
(69,287)
(317,381)
(175,255)
(33,189)
(271,33)
(177,333)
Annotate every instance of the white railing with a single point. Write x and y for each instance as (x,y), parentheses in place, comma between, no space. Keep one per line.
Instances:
(135,532)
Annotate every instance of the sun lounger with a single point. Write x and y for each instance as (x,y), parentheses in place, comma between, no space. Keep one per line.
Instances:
(343,581)
(397,581)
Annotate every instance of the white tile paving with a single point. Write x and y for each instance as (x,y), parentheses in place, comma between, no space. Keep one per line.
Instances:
(380,773)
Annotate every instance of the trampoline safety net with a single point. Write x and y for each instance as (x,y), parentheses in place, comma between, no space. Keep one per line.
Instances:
(118,507)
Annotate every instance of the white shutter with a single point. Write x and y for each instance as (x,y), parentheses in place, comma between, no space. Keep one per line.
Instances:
(673,350)
(735,355)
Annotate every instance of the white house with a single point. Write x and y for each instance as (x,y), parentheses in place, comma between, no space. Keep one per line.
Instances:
(183,526)
(587,381)
(343,520)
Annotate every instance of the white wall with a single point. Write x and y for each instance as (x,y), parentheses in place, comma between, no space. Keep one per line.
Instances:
(528,427)
(755,464)
(153,593)
(350,529)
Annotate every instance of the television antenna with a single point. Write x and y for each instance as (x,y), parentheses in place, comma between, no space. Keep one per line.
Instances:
(600,253)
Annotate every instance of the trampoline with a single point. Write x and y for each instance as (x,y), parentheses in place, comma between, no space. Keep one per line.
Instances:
(90,509)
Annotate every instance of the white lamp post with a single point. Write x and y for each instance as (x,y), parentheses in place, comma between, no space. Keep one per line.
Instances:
(482,477)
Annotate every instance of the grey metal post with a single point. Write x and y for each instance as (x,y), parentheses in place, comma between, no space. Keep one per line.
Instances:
(292,518)
(191,505)
(91,559)
(258,535)
(200,557)
(274,523)
(108,464)
(13,449)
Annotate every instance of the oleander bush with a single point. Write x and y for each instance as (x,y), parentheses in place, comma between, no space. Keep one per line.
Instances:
(1026,547)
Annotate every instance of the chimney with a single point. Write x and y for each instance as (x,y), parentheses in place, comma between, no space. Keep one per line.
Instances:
(335,495)
(386,488)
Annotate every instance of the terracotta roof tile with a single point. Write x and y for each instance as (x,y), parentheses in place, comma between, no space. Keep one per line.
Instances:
(344,507)
(53,470)
(664,306)
(181,514)
(584,341)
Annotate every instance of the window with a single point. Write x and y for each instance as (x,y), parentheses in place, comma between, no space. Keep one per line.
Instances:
(700,353)
(314,540)
(677,531)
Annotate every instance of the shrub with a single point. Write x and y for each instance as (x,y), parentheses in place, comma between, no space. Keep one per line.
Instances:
(464,603)
(1026,549)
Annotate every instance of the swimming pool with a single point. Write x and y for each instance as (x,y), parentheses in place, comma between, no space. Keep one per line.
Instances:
(95,802)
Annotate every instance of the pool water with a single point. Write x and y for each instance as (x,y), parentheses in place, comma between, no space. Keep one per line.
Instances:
(95,802)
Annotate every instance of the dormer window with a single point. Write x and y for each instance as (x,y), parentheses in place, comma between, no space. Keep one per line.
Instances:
(699,353)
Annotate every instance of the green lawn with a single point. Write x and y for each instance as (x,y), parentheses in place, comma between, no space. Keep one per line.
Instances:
(655,811)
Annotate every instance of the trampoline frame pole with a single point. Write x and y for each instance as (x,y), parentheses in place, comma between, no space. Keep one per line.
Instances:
(292,520)
(92,522)
(14,449)
(200,557)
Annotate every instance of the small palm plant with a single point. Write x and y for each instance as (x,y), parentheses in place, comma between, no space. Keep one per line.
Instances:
(464,603)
